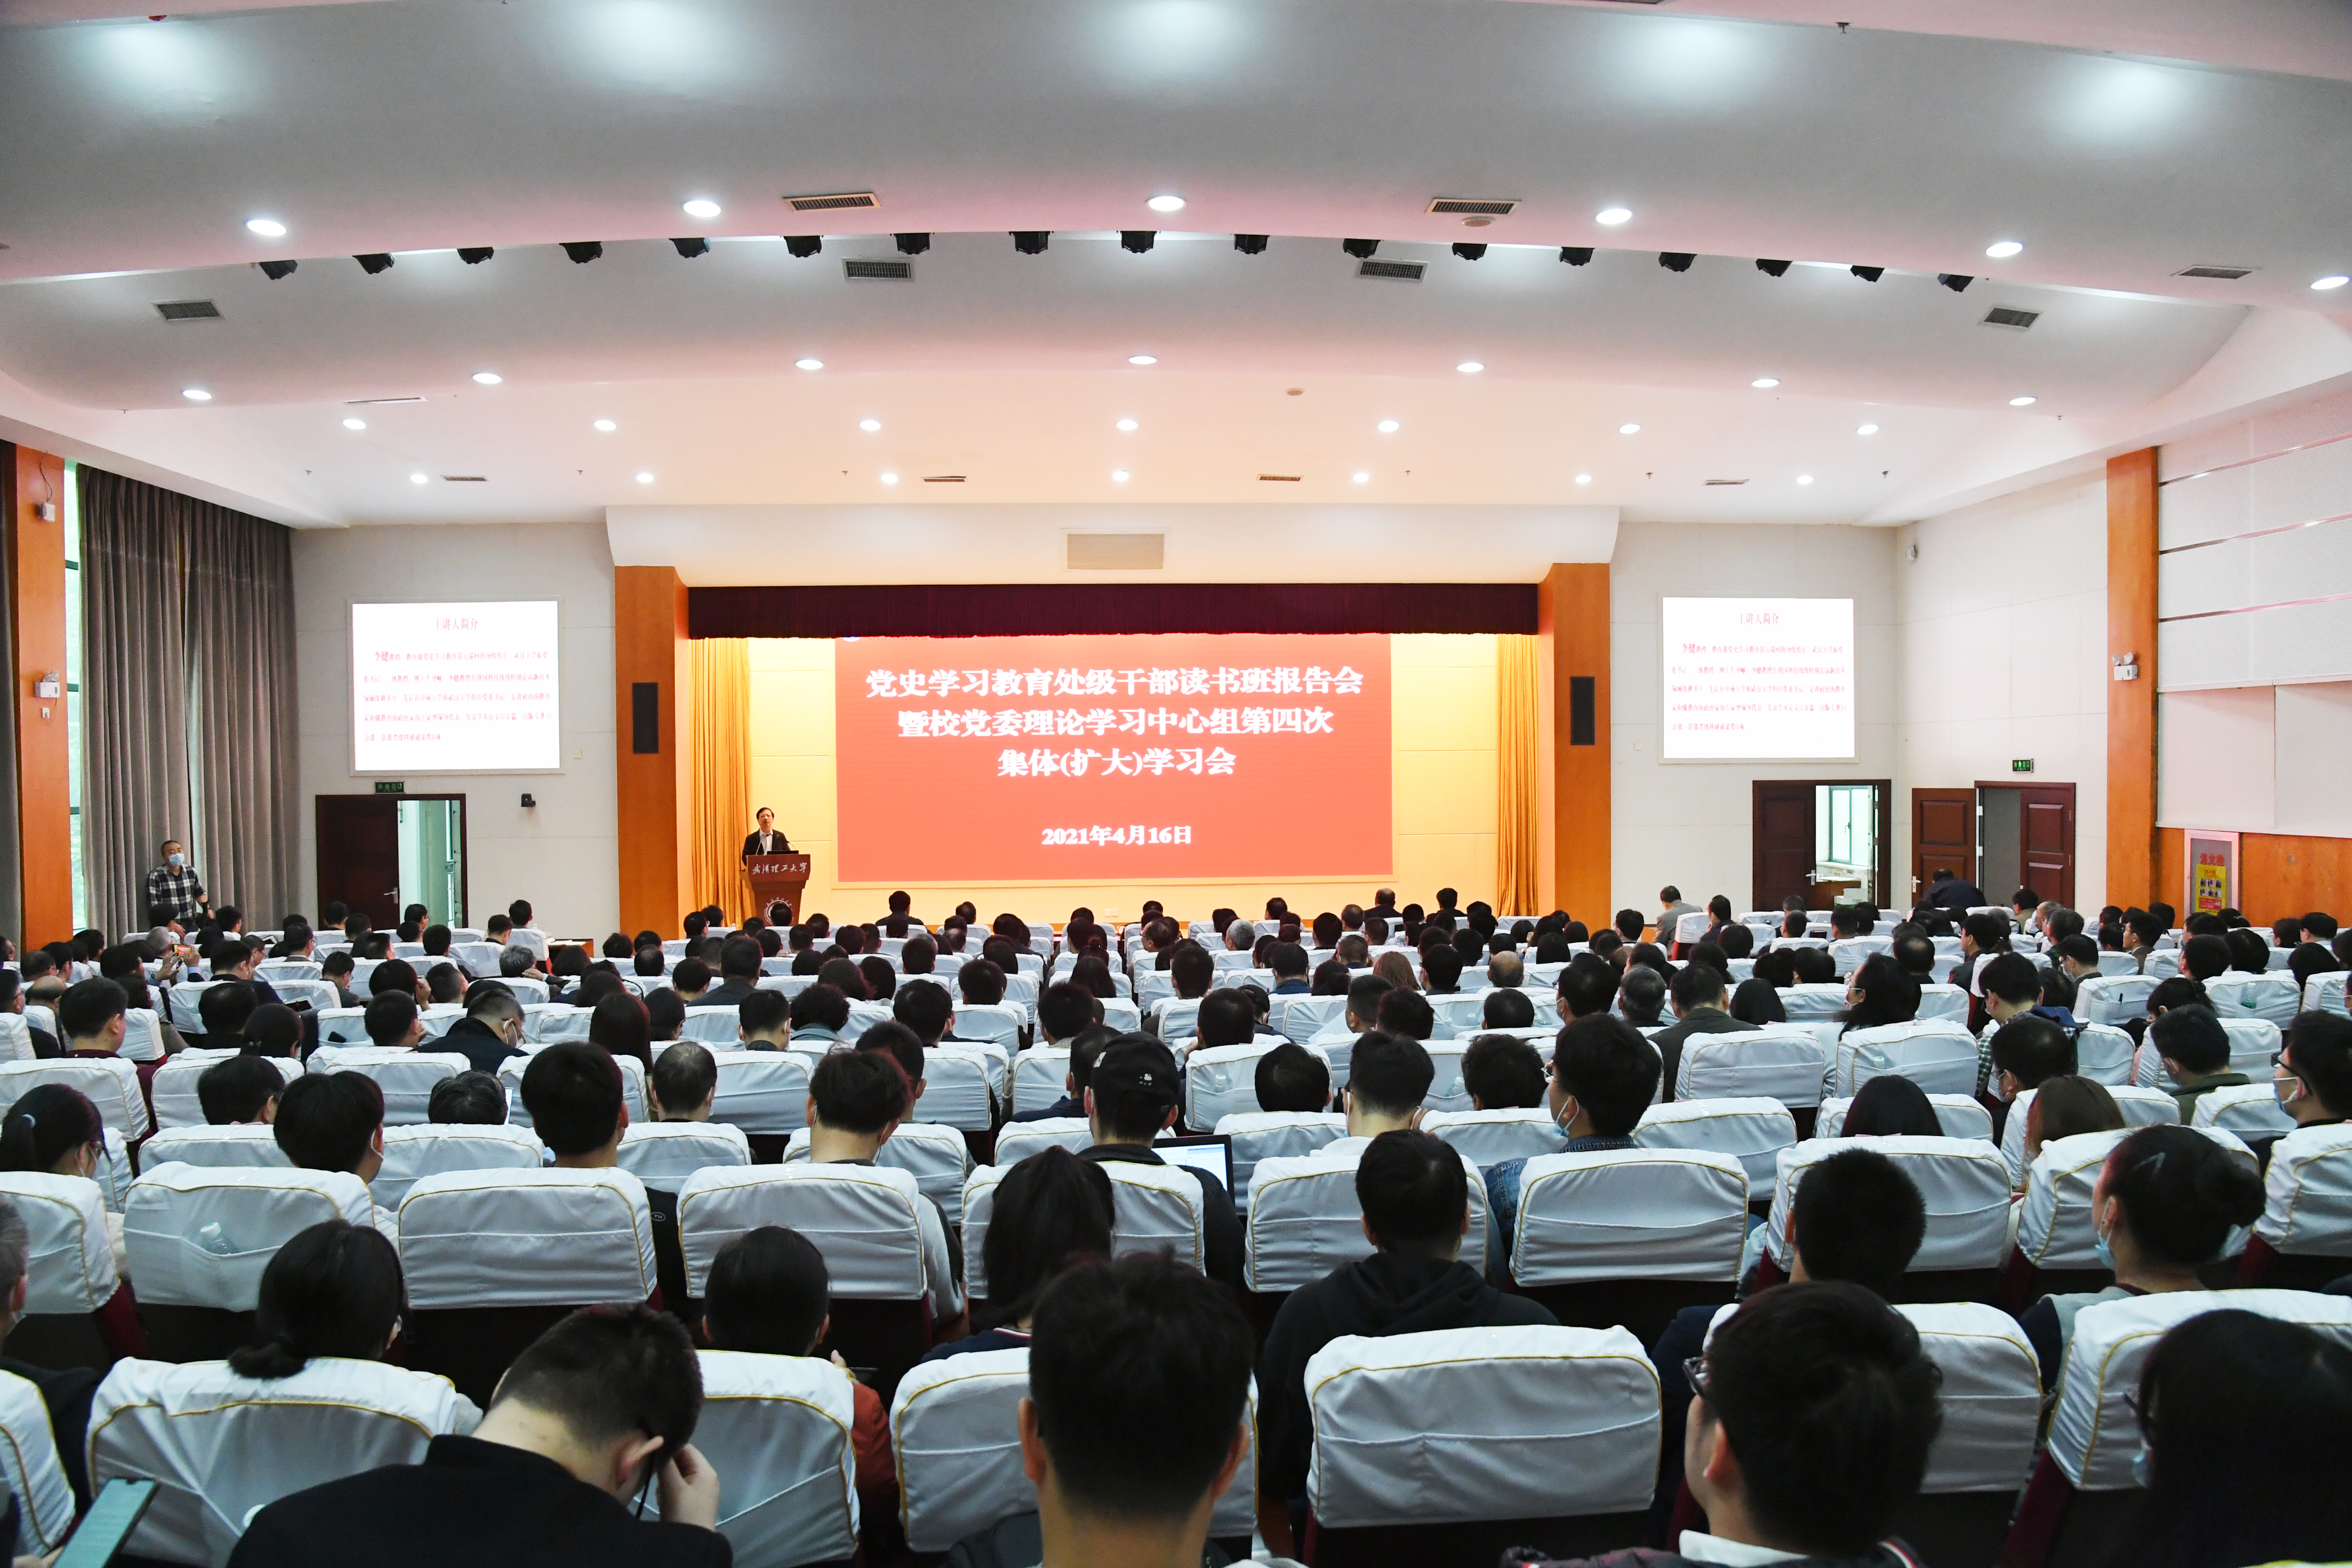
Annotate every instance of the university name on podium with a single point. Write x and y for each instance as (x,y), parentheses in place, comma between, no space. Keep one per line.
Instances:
(774,877)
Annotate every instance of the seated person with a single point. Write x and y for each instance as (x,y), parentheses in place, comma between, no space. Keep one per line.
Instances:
(1505,971)
(1700,1008)
(1443,965)
(818,1016)
(901,1044)
(1065,1010)
(1133,1095)
(1084,1048)
(881,980)
(244,1090)
(393,1021)
(1415,1195)
(573,1092)
(857,1099)
(445,983)
(92,1013)
(223,1009)
(1289,962)
(1362,1013)
(1406,1015)
(1507,1010)
(2313,1076)
(927,1009)
(1502,1072)
(1388,1078)
(65,1392)
(489,1033)
(1586,987)
(665,1015)
(54,1129)
(12,1000)
(331,1290)
(1226,1018)
(397,974)
(597,1412)
(2024,1052)
(1602,1076)
(1642,996)
(1291,1077)
(273,1030)
(2064,1107)
(684,1082)
(982,984)
(739,972)
(334,1122)
(1052,1211)
(469,1099)
(2195,1051)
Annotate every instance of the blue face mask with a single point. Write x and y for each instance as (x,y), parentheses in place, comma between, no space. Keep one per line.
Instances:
(2106,1252)
(2140,1467)
(175,861)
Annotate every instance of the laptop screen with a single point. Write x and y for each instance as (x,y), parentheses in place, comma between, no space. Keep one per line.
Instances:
(1214,1155)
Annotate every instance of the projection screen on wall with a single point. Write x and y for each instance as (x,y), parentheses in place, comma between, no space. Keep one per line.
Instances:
(455,688)
(1757,679)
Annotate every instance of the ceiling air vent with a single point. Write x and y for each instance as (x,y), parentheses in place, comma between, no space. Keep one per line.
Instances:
(2226,274)
(1712,483)
(188,310)
(841,202)
(1473,206)
(464,478)
(1117,552)
(883,271)
(942,478)
(1278,478)
(1402,272)
(2002,316)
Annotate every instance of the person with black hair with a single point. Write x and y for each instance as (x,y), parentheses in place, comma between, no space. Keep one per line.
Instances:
(763,1021)
(331,1122)
(2311,1078)
(1226,1018)
(1757,1002)
(1604,1074)
(1289,962)
(273,1030)
(1388,1078)
(491,1030)
(619,1025)
(1134,1094)
(92,1016)
(927,1009)
(1053,1212)
(242,1089)
(1502,1072)
(1365,993)
(597,1412)
(683,1083)
(1879,993)
(1588,985)
(1407,1014)
(903,1046)
(1084,1047)
(2164,1205)
(1190,970)
(1065,1011)
(739,972)
(573,1092)
(1891,1106)
(818,1015)
(391,1020)
(2024,1052)
(1414,1191)
(857,1099)
(1290,1077)
(1507,1010)
(1700,1008)
(334,1290)
(54,1129)
(12,1000)
(1443,968)
(2195,1051)
(223,1010)
(469,1099)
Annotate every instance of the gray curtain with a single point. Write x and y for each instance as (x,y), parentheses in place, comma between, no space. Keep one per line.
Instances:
(240,640)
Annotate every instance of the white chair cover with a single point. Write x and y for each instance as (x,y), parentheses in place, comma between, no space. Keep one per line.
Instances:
(2273,996)
(1849,952)
(1810,1003)
(2104,1054)
(778,1429)
(1960,1115)
(1304,1220)
(1944,1000)
(411,1154)
(1267,1135)
(761,1091)
(69,1266)
(221,1445)
(1303,1017)
(510,1072)
(1780,1061)
(954,1428)
(245,1143)
(2326,993)
(2162,965)
(527,1239)
(2307,1203)
(2248,1109)
(1221,1080)
(1155,1208)
(1964,1181)
(16,1038)
(1538,1422)
(1019,1140)
(956,1090)
(713,1026)
(1119,1013)
(438,1017)
(28,1463)
(663,1155)
(2093,1436)
(112,1083)
(343,1025)
(1752,1132)
(1489,1137)
(1937,1053)
(405,1077)
(937,1157)
(1991,1395)
(1638,1214)
(198,1236)
(2144,1107)
(556,1021)
(2111,998)
(1000,1023)
(863,1218)
(173,1086)
(1040,1077)
(1178,1018)
(1445,1090)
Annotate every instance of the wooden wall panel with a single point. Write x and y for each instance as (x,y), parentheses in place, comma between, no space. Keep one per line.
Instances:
(2132,868)
(1572,634)
(37,577)
(654,790)
(2171,871)
(2279,874)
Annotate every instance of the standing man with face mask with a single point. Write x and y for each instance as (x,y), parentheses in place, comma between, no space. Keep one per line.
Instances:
(174,886)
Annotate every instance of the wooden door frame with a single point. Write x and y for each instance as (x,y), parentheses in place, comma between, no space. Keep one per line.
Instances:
(2074,817)
(465,848)
(1970,869)
(1886,804)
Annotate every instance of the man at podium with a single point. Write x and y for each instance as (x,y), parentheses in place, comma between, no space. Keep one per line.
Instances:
(767,841)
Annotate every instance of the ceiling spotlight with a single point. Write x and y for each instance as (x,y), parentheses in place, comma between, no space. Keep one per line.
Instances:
(700,206)
(889,479)
(1250,244)
(1467,251)
(475,254)
(1771,268)
(607,426)
(354,424)
(1470,367)
(1677,260)
(1166,203)
(489,377)
(583,251)
(1584,478)
(1030,241)
(1361,250)
(1629,429)
(912,244)
(1388,427)
(274,270)
(1127,424)
(1804,478)
(1765,382)
(690,248)
(1576,255)
(1865,429)
(1118,476)
(2332,280)
(195,394)
(1362,478)
(1868,274)
(416,479)
(808,364)
(1612,216)
(267,227)
(1958,282)
(870,426)
(374,262)
(1138,240)
(804,245)
(2021,402)
(644,479)
(1143,359)
(2002,249)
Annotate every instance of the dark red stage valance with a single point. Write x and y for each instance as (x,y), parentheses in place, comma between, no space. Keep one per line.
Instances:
(983,610)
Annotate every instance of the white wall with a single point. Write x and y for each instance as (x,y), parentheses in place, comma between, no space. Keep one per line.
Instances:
(562,855)
(2004,629)
(1689,823)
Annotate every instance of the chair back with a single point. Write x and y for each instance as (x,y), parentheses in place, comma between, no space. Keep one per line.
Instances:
(245,1143)
(2104,1054)
(1964,1181)
(956,1090)
(1751,1130)
(526,1238)
(112,1083)
(1489,1137)
(2145,1107)
(714,1025)
(663,1155)
(1178,1018)
(1303,1017)
(2274,998)
(197,1235)
(2248,1109)
(173,1087)
(761,1091)
(1630,1213)
(1155,1208)
(1810,1003)
(510,1072)
(2111,998)
(2325,994)
(70,1267)
(1016,1141)
(778,1428)
(937,1157)
(1304,1220)
(863,1218)
(1259,1135)
(1000,1023)
(348,1026)
(411,1154)
(28,1463)
(955,1429)
(2307,1195)
(1780,1061)
(1221,1080)
(1539,1422)
(1990,1395)
(1944,1000)
(1040,1077)
(1960,1115)
(1937,1053)
(406,1077)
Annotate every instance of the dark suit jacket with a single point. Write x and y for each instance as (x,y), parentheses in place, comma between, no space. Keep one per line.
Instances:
(1669,1040)
(727,994)
(752,846)
(481,1045)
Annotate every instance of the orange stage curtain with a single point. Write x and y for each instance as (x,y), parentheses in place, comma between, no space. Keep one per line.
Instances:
(1516,764)
(721,678)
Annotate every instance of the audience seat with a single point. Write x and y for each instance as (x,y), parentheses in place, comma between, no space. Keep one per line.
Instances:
(29,1467)
(777,1431)
(936,1156)
(1966,1185)
(663,1155)
(1259,1135)
(476,958)
(556,1021)
(243,1143)
(1490,1137)
(1301,1019)
(1153,1207)
(411,1154)
(1944,1000)
(1445,1090)
(2274,996)
(1813,1003)
(2254,1046)
(2113,998)
(1173,1018)
(1848,953)
(112,1083)
(1937,1053)
(1960,1115)
(1780,1062)
(2145,1107)
(1751,1130)
(2303,1239)
(1983,1453)
(196,1239)
(78,1311)
(715,1026)
(1304,1221)
(173,1087)
(1221,1080)
(220,1446)
(999,1022)
(1550,1440)
(510,1072)
(2104,1054)
(2083,1488)
(765,1093)
(1016,1141)
(405,1077)
(1629,1236)
(1040,1077)
(2249,1110)
(957,1092)
(2053,1251)
(2326,993)
(1119,1013)
(493,1258)
(348,1026)
(16,1038)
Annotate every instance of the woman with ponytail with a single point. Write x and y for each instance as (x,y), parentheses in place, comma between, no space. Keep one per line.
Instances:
(334,1289)
(55,1130)
(2165,1204)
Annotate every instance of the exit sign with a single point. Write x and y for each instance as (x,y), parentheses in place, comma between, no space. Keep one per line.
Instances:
(398,786)
(2016,765)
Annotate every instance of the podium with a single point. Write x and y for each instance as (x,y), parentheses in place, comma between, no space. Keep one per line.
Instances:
(774,877)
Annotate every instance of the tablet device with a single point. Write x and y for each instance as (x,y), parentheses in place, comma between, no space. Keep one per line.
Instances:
(1212,1154)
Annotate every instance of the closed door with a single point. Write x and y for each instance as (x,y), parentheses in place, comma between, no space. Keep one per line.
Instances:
(2046,840)
(1943,836)
(359,855)
(1784,831)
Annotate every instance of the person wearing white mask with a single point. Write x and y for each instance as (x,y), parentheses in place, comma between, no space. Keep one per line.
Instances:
(1603,1075)
(2311,1078)
(173,891)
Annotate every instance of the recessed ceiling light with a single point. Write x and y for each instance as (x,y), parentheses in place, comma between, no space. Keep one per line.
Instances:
(416,479)
(2332,280)
(1127,424)
(1362,479)
(489,377)
(702,206)
(1584,478)
(2002,249)
(1469,368)
(1765,382)
(1612,216)
(1804,478)
(1118,476)
(1143,359)
(1865,429)
(267,227)
(2020,401)
(808,364)
(1629,429)
(1388,427)
(644,479)
(195,394)
(889,478)
(870,426)
(1166,203)
(354,424)
(607,426)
